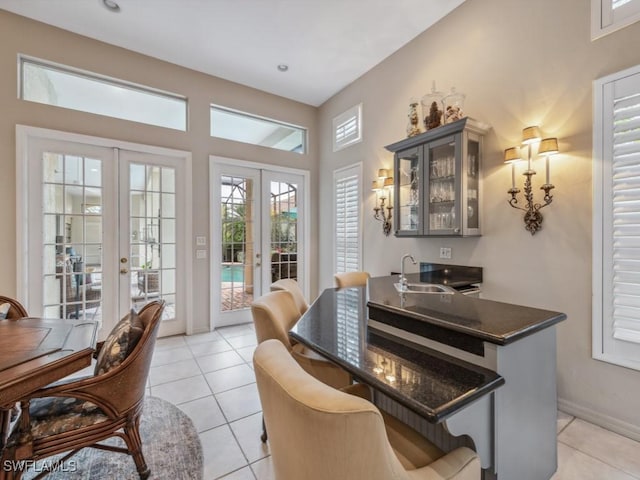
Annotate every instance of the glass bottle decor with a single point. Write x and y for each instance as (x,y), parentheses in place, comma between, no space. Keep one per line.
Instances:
(453,106)
(413,127)
(432,108)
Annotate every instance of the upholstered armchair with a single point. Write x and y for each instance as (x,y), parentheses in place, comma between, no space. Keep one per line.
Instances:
(291,286)
(69,416)
(351,279)
(274,314)
(317,432)
(15,311)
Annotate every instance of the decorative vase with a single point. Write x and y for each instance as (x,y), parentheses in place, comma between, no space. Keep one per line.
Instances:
(453,106)
(413,127)
(432,108)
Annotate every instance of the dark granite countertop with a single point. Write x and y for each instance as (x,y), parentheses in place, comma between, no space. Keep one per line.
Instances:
(487,320)
(430,383)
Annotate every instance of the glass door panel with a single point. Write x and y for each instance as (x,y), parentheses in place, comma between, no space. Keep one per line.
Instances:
(472,185)
(72,194)
(152,253)
(284,230)
(442,187)
(408,194)
(238,233)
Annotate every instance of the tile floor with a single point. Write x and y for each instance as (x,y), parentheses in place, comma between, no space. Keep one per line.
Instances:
(209,376)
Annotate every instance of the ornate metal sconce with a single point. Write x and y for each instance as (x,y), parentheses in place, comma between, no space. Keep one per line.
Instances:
(382,186)
(547,147)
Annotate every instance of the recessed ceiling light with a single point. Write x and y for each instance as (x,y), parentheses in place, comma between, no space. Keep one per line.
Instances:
(111,5)
(283,68)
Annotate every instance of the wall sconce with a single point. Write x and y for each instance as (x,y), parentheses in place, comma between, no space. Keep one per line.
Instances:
(547,147)
(382,186)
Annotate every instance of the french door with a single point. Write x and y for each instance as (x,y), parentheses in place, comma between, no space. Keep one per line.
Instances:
(101,232)
(258,232)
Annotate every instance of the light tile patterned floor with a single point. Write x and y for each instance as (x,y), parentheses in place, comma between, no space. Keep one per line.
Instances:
(210,377)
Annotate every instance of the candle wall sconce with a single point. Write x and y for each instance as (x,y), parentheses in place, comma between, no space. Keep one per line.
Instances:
(382,186)
(547,146)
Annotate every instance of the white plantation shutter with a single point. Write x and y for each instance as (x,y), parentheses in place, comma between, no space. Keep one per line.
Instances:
(347,128)
(617,219)
(347,185)
(607,16)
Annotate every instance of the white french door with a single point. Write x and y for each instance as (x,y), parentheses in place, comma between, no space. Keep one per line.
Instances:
(100,231)
(259,234)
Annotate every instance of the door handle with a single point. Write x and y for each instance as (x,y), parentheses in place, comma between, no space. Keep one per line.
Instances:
(124,271)
(257,264)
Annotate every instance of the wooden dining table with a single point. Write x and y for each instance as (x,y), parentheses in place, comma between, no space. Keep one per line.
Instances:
(35,352)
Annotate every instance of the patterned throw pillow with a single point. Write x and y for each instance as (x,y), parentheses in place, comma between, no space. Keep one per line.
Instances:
(4,310)
(120,343)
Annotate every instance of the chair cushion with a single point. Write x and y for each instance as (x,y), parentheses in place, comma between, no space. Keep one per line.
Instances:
(54,415)
(4,310)
(120,343)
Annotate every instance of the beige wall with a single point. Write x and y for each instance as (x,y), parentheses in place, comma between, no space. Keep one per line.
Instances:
(20,35)
(520,64)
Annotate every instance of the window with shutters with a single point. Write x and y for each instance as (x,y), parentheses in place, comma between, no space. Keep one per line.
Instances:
(347,191)
(347,128)
(607,16)
(616,225)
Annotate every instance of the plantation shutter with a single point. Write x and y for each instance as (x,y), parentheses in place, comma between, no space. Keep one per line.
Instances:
(347,128)
(619,198)
(347,219)
(608,16)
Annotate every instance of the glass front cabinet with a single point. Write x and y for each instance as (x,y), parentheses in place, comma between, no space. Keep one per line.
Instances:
(437,181)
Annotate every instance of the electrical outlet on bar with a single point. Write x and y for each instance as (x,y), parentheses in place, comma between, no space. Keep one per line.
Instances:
(445,252)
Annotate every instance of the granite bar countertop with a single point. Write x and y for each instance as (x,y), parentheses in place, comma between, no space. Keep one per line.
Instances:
(430,383)
(495,322)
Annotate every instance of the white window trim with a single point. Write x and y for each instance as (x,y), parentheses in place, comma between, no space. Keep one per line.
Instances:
(603,99)
(603,21)
(339,120)
(351,170)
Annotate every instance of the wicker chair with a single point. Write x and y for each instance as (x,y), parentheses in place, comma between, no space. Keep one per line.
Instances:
(16,310)
(107,404)
(7,417)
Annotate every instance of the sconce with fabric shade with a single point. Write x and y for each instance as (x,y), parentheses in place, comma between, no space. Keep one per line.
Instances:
(531,135)
(382,187)
(547,147)
(512,155)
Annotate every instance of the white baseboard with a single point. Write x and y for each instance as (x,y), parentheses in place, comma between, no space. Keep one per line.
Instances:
(610,423)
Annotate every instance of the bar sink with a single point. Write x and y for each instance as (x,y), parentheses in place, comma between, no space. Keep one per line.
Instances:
(423,288)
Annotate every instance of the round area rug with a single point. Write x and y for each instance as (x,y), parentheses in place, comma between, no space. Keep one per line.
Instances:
(170,444)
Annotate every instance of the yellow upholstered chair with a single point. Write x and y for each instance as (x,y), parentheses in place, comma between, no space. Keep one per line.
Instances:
(290,285)
(340,436)
(351,279)
(274,314)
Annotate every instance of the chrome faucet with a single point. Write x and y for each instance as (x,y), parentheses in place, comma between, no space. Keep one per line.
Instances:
(403,279)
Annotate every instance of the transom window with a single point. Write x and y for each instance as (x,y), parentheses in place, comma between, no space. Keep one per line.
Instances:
(266,132)
(67,87)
